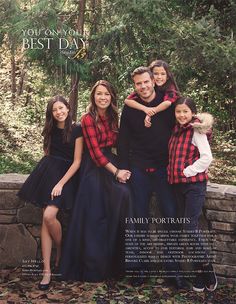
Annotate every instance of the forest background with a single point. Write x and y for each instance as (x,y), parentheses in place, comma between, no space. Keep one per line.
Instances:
(196,37)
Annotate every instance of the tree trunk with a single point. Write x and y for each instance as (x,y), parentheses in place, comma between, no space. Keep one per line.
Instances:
(13,76)
(74,95)
(28,90)
(22,78)
(95,16)
(80,21)
(74,76)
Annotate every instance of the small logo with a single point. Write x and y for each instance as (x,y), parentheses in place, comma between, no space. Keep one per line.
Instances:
(74,48)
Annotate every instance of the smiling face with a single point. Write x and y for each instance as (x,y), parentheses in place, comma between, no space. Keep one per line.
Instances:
(160,75)
(144,86)
(183,114)
(60,113)
(102,99)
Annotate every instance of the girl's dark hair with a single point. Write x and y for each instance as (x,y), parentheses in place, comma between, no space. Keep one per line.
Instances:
(51,123)
(170,76)
(112,110)
(188,102)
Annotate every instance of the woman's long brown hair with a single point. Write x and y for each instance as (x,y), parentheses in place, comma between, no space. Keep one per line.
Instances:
(51,123)
(112,110)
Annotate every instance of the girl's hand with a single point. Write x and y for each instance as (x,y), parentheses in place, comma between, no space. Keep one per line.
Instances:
(56,191)
(123,176)
(151,111)
(147,121)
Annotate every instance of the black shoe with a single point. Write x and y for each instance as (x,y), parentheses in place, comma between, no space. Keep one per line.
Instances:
(209,277)
(199,283)
(43,286)
(179,283)
(136,282)
(111,283)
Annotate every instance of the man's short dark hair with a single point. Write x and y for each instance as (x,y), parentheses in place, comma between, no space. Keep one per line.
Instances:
(141,70)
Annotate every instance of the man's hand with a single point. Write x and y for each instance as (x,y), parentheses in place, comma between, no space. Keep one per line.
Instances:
(147,121)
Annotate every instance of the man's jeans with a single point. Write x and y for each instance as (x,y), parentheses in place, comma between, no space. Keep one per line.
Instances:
(143,184)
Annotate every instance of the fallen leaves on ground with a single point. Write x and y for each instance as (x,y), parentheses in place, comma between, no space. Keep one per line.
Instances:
(16,289)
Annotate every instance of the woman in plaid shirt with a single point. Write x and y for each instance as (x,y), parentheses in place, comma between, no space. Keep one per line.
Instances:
(189,159)
(94,248)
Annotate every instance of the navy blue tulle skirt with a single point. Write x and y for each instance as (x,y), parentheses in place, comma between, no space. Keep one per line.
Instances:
(94,246)
(38,186)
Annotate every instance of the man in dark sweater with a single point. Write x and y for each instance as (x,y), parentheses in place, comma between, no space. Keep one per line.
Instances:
(144,151)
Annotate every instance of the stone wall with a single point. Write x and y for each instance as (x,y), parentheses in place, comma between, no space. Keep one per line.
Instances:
(220,211)
(20,226)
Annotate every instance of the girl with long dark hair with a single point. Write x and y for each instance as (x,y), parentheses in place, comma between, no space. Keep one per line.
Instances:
(51,185)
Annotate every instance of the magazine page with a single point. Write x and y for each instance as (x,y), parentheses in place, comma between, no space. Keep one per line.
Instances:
(117,141)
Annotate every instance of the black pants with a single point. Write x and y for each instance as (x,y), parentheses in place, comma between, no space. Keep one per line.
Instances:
(143,184)
(190,199)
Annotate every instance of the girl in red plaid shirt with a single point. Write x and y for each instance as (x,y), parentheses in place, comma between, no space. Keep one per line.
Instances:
(94,248)
(189,159)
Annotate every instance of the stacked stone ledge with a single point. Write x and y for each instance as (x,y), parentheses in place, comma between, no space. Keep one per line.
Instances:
(20,224)
(220,211)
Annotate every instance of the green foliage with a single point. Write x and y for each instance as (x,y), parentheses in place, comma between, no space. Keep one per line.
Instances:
(200,48)
(83,101)
(196,37)
(22,163)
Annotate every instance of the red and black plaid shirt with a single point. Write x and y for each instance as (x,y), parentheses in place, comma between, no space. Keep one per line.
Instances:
(171,94)
(97,138)
(182,153)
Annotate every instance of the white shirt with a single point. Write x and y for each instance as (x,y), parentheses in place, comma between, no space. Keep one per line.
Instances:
(201,164)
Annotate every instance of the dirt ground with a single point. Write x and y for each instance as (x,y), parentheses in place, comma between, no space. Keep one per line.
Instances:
(15,288)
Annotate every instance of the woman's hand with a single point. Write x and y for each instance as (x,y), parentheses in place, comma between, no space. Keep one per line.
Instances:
(147,121)
(123,176)
(56,191)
